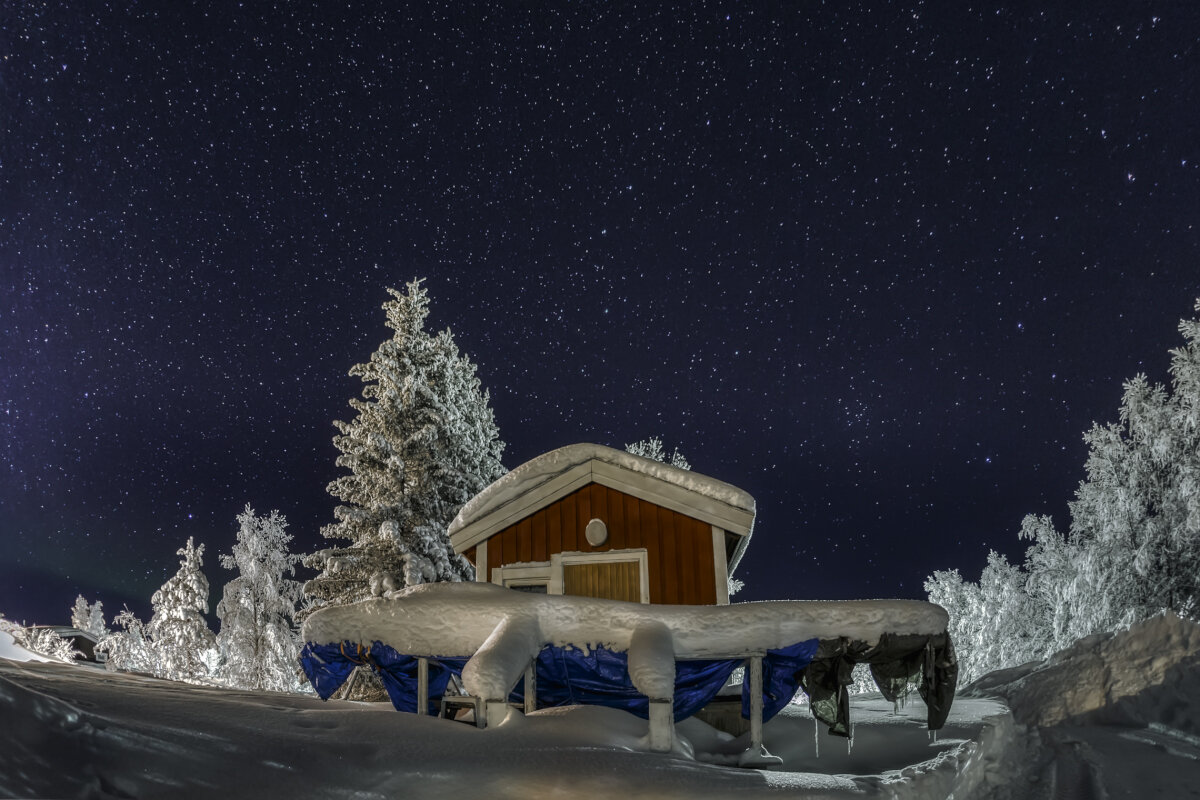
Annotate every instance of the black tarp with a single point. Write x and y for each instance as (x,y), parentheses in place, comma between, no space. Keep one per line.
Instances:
(896,663)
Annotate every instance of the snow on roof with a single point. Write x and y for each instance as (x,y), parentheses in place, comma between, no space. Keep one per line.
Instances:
(504,628)
(545,467)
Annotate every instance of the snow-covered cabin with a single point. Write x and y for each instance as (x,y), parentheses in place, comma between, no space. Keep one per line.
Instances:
(639,554)
(591,521)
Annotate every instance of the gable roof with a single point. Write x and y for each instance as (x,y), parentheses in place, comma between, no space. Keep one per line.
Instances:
(539,482)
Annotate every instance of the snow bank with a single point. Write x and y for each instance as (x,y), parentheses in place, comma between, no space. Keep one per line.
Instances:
(546,467)
(1145,673)
(1113,715)
(80,732)
(14,652)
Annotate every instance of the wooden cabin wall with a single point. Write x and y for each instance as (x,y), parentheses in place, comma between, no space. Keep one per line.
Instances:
(679,549)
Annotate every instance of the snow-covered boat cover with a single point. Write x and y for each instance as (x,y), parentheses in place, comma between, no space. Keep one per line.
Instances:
(500,631)
(455,619)
(545,467)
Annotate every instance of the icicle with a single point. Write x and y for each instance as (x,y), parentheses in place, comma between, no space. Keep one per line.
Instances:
(896,707)
(850,740)
(816,738)
(933,736)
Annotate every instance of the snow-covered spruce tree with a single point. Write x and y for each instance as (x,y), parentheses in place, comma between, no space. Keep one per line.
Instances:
(652,448)
(88,617)
(129,646)
(258,641)
(422,443)
(180,635)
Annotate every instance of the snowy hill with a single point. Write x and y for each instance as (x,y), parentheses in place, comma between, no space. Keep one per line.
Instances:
(1114,715)
(1107,717)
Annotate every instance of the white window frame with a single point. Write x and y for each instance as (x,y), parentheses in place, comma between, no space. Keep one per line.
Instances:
(526,573)
(550,573)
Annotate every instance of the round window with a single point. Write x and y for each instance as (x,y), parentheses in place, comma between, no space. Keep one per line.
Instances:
(596,532)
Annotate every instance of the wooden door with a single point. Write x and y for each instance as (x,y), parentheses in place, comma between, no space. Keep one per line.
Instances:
(609,580)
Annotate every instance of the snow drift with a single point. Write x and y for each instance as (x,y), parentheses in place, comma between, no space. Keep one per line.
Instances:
(1125,726)
(1145,673)
(1113,715)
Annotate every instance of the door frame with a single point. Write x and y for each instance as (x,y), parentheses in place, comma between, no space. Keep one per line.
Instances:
(550,572)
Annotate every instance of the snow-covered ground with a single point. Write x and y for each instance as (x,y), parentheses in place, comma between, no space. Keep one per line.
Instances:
(1109,717)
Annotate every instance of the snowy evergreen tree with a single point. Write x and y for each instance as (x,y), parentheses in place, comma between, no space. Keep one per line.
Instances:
(88,617)
(1133,545)
(423,442)
(129,646)
(1051,567)
(652,448)
(180,635)
(80,613)
(1136,518)
(258,641)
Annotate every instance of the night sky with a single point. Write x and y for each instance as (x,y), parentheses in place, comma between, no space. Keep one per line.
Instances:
(878,264)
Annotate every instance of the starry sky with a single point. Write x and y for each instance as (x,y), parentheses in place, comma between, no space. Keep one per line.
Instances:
(879,264)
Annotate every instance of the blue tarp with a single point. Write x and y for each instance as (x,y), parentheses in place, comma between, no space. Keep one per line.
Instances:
(600,677)
(329,666)
(565,676)
(781,670)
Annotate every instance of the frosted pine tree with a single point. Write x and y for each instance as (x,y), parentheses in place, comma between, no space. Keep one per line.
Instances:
(129,647)
(80,613)
(1052,571)
(422,443)
(652,448)
(88,617)
(1133,546)
(180,635)
(258,640)
(1136,519)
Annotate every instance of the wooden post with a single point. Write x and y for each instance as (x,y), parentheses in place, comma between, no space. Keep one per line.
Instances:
(348,692)
(531,687)
(422,686)
(756,755)
(756,703)
(662,725)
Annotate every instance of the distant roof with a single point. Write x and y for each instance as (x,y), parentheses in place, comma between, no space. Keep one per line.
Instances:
(69,630)
(553,474)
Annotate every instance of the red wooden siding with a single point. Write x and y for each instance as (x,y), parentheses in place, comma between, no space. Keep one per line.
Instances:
(679,549)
